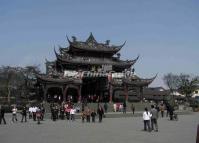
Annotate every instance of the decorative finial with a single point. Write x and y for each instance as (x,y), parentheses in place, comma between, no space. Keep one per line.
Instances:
(74,38)
(107,42)
(118,55)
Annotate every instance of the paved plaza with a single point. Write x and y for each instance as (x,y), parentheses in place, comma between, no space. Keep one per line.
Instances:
(111,130)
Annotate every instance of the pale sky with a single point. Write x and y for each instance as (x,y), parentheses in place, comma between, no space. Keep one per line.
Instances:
(165,33)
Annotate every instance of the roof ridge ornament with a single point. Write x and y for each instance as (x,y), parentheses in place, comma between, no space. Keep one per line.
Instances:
(123,44)
(74,38)
(91,39)
(68,39)
(155,76)
(107,42)
(57,55)
(46,60)
(151,79)
(137,57)
(118,47)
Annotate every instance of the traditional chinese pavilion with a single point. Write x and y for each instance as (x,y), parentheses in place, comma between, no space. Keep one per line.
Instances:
(91,71)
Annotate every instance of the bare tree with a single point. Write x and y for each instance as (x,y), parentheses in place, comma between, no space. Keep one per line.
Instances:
(183,83)
(173,83)
(16,82)
(29,73)
(11,80)
(188,84)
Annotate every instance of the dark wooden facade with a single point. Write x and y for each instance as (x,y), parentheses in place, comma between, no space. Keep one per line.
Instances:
(91,71)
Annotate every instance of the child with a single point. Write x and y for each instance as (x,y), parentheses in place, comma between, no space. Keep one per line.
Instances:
(88,115)
(83,115)
(38,115)
(93,114)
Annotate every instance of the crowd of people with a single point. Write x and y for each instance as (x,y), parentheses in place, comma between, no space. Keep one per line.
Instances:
(68,110)
(150,117)
(35,112)
(119,107)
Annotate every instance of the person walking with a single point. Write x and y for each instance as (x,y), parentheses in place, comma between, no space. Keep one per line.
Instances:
(2,113)
(162,110)
(34,110)
(168,109)
(62,112)
(171,110)
(115,107)
(30,112)
(53,113)
(88,114)
(105,107)
(124,107)
(14,114)
(56,110)
(154,118)
(93,114)
(38,115)
(72,113)
(133,108)
(146,118)
(100,112)
(24,114)
(83,116)
(42,112)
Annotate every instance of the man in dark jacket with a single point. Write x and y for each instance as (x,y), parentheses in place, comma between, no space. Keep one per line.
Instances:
(100,112)
(24,114)
(124,107)
(154,118)
(105,107)
(2,112)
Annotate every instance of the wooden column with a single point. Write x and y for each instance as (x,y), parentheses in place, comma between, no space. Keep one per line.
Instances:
(126,92)
(79,94)
(64,95)
(45,92)
(110,93)
(110,87)
(141,93)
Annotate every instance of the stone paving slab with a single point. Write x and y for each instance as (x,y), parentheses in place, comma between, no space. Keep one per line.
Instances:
(111,130)
(112,114)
